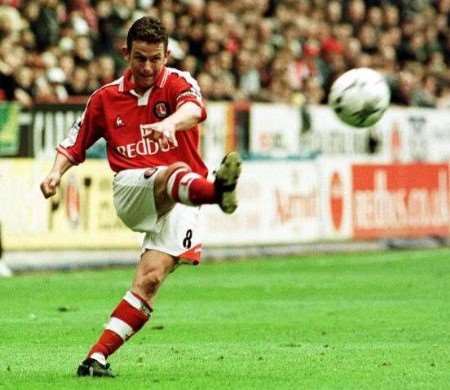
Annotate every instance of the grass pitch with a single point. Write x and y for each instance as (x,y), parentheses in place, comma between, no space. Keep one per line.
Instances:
(344,321)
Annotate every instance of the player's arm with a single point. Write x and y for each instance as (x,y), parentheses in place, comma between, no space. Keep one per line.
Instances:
(51,182)
(190,109)
(185,117)
(72,150)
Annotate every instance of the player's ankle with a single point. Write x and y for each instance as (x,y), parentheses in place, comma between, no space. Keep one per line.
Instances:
(99,357)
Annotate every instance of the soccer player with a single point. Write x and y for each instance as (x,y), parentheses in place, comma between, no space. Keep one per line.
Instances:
(149,119)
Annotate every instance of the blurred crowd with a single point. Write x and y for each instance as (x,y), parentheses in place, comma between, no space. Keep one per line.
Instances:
(263,50)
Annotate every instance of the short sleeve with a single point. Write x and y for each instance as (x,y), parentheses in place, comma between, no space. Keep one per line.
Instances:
(184,88)
(86,130)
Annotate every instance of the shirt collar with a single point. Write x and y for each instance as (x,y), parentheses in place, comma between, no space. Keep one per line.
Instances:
(128,83)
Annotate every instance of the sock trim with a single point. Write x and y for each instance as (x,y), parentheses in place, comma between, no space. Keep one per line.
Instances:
(173,182)
(120,327)
(99,357)
(133,300)
(183,187)
(144,306)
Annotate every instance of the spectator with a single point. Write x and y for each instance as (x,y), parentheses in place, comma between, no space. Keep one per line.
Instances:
(105,69)
(24,86)
(190,64)
(375,18)
(352,51)
(79,84)
(313,91)
(444,100)
(407,91)
(83,53)
(249,77)
(356,13)
(206,83)
(309,64)
(240,44)
(56,78)
(391,15)
(45,22)
(334,12)
(67,64)
(224,88)
(369,39)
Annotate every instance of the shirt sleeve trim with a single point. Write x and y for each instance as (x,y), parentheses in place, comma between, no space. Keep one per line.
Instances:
(202,107)
(63,151)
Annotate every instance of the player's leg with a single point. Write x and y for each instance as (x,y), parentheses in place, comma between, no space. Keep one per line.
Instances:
(151,271)
(156,192)
(132,312)
(179,184)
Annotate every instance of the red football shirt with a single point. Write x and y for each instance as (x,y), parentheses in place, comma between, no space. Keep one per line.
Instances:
(117,113)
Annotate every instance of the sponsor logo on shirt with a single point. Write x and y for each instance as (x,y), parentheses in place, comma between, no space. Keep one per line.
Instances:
(145,147)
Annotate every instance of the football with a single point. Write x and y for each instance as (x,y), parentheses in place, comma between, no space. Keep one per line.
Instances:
(359,97)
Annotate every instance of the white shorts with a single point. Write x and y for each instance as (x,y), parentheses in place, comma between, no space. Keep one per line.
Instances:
(175,233)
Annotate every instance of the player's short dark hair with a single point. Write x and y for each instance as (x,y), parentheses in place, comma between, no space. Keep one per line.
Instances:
(147,29)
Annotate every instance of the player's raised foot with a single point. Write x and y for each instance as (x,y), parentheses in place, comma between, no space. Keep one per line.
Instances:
(91,367)
(227,176)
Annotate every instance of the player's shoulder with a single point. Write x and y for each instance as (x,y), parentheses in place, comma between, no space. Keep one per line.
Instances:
(174,76)
(109,89)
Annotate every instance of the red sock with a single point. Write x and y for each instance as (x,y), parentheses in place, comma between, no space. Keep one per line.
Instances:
(128,317)
(190,188)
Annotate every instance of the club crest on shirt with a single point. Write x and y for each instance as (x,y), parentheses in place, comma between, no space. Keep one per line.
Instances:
(119,122)
(161,109)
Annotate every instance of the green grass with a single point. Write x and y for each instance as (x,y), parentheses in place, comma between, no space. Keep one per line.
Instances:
(344,321)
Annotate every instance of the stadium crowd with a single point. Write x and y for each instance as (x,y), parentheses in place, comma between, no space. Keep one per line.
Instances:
(264,50)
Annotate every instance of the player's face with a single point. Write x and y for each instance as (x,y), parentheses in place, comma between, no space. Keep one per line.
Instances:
(146,61)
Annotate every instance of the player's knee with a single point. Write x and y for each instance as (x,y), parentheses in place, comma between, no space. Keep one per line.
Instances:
(152,281)
(163,178)
(149,283)
(175,167)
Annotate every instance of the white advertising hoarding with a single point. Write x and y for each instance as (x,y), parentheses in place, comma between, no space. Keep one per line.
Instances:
(332,137)
(399,133)
(278,204)
(405,135)
(415,134)
(275,130)
(217,133)
(80,216)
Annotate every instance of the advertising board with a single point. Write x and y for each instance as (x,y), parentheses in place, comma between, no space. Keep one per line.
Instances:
(407,200)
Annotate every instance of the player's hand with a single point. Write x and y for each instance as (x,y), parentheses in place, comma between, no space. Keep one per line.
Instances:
(164,130)
(50,184)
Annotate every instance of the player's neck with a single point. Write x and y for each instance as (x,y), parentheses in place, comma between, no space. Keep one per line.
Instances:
(139,90)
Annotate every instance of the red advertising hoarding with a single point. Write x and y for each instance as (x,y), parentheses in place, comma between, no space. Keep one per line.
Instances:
(396,200)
